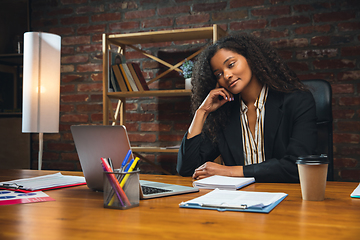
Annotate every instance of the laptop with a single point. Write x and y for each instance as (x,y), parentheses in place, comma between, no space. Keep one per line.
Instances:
(95,141)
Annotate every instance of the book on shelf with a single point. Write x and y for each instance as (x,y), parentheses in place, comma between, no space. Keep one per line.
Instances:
(127,82)
(113,84)
(135,77)
(140,76)
(130,77)
(119,78)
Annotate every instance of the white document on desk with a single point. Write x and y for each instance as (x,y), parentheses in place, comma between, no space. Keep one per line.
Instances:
(223,182)
(235,199)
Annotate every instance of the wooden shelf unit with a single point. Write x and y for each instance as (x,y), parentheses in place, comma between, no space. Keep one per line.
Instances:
(123,41)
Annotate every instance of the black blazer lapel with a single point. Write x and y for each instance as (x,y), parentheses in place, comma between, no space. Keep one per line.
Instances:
(233,134)
(273,116)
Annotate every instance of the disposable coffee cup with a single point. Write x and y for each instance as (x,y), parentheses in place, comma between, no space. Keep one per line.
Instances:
(313,173)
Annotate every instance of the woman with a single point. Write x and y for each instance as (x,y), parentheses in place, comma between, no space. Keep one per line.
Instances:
(251,109)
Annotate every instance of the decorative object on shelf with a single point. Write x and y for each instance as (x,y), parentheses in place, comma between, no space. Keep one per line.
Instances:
(187,68)
(41,85)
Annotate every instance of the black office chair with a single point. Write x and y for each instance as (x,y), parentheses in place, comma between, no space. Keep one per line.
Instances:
(321,91)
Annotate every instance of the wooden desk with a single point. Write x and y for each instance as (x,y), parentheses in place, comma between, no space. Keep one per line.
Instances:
(78,213)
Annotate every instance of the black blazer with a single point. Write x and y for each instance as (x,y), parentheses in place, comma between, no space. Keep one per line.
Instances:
(289,131)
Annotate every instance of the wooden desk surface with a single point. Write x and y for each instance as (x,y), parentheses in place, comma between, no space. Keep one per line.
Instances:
(78,213)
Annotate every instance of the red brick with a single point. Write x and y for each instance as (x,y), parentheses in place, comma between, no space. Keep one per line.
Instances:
(298,66)
(285,54)
(67,68)
(89,107)
(155,127)
(74,98)
(350,51)
(50,156)
(342,88)
(350,175)
(150,65)
(320,40)
(96,98)
(96,77)
(348,126)
(206,7)
(44,23)
(348,26)
(66,147)
(74,59)
(346,138)
(312,7)
(181,126)
(75,40)
(62,31)
(334,16)
(289,43)
(74,118)
(275,10)
(140,14)
(173,10)
(66,2)
(67,88)
(147,107)
(124,25)
(106,17)
(133,55)
(251,24)
(90,9)
(66,78)
(160,22)
(74,20)
(334,63)
(345,162)
(284,21)
(164,116)
(123,5)
(132,127)
(91,29)
(349,150)
(266,34)
(313,29)
(89,48)
(143,117)
(142,137)
(91,67)
(343,113)
(96,117)
(66,108)
(349,76)
(67,136)
(170,138)
(245,3)
(317,53)
(224,15)
(349,101)
(67,50)
(192,19)
(92,87)
(70,156)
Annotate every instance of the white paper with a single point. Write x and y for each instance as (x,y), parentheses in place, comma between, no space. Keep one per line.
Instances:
(236,199)
(223,182)
(47,181)
(356,192)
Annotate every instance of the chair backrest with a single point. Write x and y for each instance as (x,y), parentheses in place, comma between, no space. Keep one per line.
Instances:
(322,93)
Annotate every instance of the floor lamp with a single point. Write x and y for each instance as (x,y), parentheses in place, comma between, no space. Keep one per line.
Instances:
(41,85)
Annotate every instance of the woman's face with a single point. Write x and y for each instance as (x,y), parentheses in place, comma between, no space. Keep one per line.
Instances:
(231,70)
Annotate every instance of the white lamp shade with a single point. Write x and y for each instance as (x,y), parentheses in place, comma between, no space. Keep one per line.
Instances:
(41,82)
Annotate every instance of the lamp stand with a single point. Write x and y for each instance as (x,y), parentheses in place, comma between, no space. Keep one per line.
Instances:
(41,142)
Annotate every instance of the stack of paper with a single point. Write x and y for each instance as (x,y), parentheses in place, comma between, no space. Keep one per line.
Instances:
(222,182)
(225,200)
(356,192)
(46,182)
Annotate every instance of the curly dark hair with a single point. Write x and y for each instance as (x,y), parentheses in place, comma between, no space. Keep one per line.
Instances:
(264,62)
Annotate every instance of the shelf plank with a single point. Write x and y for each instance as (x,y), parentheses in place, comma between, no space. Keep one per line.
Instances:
(154,149)
(150,93)
(164,36)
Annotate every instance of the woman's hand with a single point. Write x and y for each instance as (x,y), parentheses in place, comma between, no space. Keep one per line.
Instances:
(212,102)
(210,168)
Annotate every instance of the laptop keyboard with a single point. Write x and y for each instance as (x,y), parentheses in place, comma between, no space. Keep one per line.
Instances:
(151,190)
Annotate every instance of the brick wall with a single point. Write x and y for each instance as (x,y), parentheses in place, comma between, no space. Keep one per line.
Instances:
(318,39)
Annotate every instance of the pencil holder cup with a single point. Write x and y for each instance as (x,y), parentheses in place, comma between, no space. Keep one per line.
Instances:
(121,190)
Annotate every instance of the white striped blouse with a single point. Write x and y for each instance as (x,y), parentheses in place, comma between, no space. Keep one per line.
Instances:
(253,147)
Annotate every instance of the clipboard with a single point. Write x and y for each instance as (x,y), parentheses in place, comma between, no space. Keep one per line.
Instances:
(205,202)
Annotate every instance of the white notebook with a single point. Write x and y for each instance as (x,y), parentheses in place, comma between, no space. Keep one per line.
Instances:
(223,182)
